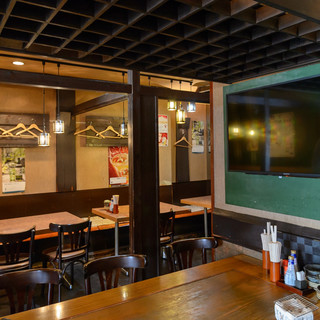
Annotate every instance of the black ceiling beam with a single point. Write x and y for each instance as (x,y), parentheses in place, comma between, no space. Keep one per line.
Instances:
(7,14)
(60,82)
(99,102)
(307,9)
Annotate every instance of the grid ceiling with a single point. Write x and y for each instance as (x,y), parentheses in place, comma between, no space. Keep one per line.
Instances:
(215,40)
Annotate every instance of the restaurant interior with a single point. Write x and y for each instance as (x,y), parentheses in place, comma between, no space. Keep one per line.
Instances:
(136,128)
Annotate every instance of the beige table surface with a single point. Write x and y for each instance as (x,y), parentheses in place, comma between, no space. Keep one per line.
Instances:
(205,202)
(123,216)
(41,222)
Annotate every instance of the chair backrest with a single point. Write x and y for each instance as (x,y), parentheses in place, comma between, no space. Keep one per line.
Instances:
(182,250)
(109,268)
(20,286)
(166,227)
(17,252)
(72,238)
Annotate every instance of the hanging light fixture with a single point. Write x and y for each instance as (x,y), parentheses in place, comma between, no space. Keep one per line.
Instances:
(191,106)
(58,124)
(172,104)
(123,126)
(180,115)
(44,137)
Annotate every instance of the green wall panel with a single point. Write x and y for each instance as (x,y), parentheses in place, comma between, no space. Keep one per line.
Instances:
(288,195)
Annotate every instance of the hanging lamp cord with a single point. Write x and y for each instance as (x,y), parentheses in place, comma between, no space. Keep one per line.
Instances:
(58,96)
(123,101)
(44,100)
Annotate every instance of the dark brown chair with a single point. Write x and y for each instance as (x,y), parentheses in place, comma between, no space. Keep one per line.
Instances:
(16,250)
(182,251)
(20,286)
(166,231)
(73,246)
(109,268)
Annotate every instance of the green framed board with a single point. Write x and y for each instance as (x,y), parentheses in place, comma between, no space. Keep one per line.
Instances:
(288,195)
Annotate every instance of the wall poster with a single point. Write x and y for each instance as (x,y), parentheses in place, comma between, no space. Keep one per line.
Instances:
(163,130)
(118,166)
(197,137)
(13,170)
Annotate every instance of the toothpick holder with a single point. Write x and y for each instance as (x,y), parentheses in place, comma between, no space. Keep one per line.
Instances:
(274,271)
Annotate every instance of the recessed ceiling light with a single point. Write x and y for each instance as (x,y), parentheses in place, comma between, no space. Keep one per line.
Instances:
(18,63)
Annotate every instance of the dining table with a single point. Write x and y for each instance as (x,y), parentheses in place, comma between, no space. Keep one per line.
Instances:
(233,288)
(205,203)
(123,216)
(40,221)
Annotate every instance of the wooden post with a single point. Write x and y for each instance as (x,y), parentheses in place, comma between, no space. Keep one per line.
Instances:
(143,175)
(66,148)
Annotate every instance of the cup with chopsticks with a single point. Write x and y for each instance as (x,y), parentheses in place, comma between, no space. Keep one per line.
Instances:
(266,238)
(275,254)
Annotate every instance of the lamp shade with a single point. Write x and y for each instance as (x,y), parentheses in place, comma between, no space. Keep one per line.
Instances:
(44,139)
(180,116)
(172,105)
(58,126)
(191,107)
(123,128)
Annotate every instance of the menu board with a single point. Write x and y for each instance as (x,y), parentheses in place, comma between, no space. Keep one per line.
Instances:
(13,170)
(118,166)
(197,137)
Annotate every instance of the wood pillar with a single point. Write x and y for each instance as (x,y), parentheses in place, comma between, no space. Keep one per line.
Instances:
(66,148)
(212,153)
(143,175)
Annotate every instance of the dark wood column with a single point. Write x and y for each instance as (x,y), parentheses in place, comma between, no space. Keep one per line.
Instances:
(143,175)
(66,148)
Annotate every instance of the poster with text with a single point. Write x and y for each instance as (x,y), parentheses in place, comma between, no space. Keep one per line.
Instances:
(118,166)
(13,170)
(163,130)
(197,137)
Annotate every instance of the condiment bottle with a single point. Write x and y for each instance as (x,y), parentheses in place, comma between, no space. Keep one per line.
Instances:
(290,276)
(111,205)
(294,255)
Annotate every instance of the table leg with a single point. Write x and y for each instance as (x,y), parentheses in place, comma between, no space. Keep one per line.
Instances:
(116,238)
(205,217)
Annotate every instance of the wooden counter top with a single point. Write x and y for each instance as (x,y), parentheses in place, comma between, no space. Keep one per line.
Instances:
(233,288)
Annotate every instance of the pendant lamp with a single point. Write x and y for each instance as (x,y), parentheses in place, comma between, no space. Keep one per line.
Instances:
(180,115)
(58,124)
(44,137)
(123,126)
(191,106)
(172,104)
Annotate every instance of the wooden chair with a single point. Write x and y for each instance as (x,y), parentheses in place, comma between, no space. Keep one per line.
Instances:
(20,286)
(109,268)
(182,251)
(17,250)
(73,246)
(166,231)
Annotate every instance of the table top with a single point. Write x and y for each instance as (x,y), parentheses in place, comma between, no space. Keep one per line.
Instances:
(41,222)
(232,288)
(204,201)
(123,215)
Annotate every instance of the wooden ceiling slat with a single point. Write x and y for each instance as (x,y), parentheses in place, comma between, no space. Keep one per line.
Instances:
(7,14)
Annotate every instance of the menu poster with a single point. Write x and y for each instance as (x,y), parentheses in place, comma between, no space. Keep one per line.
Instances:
(197,137)
(13,170)
(163,130)
(118,166)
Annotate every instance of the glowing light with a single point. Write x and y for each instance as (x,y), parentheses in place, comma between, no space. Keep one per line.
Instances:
(251,132)
(235,130)
(18,63)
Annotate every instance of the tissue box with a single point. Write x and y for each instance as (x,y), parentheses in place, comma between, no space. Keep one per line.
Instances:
(301,284)
(294,307)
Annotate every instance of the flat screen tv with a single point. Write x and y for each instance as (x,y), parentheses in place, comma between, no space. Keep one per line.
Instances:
(275,130)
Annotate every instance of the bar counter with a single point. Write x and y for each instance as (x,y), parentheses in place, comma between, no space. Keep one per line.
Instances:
(232,288)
